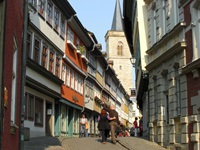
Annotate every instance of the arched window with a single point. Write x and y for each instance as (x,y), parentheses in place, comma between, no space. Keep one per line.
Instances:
(120,49)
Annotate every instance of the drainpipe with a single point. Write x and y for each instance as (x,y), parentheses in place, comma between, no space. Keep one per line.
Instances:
(2,75)
(148,99)
(23,75)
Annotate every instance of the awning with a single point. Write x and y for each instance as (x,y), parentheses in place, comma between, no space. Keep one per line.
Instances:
(70,104)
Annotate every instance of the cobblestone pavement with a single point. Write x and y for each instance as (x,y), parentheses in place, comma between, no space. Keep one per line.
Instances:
(90,143)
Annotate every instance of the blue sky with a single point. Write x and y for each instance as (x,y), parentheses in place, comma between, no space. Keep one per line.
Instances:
(96,16)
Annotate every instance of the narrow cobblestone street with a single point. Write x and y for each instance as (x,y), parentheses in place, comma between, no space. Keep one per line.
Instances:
(62,143)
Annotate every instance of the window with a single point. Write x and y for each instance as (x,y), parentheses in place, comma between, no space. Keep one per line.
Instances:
(62,26)
(77,42)
(176,11)
(41,7)
(89,89)
(164,16)
(58,66)
(56,19)
(29,42)
(33,3)
(120,49)
(36,51)
(51,62)
(178,91)
(81,89)
(155,99)
(38,111)
(99,68)
(68,77)
(76,82)
(49,12)
(79,81)
(64,72)
(155,17)
(44,56)
(29,106)
(79,84)
(70,35)
(92,60)
(72,79)
(14,84)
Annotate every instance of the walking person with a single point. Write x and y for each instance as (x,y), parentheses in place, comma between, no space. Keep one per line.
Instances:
(135,124)
(141,126)
(83,122)
(103,125)
(114,122)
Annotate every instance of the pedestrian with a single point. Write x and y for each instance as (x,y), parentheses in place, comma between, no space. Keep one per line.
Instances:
(103,125)
(83,122)
(141,126)
(135,124)
(114,122)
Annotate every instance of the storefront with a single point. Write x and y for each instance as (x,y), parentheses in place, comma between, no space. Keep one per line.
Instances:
(67,118)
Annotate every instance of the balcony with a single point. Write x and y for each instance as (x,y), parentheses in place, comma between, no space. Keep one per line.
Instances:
(71,44)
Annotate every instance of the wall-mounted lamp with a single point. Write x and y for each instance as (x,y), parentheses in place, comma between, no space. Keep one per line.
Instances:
(133,61)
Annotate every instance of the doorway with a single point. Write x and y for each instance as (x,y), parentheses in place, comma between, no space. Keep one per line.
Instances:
(70,122)
(49,124)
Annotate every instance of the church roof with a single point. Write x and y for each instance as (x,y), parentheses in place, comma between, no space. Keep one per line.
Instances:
(117,24)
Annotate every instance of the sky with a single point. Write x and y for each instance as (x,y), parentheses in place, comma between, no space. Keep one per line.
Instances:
(96,16)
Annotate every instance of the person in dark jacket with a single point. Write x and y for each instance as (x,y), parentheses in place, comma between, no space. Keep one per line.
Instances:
(114,122)
(104,125)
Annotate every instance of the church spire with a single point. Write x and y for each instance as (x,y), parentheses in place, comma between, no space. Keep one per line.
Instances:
(117,24)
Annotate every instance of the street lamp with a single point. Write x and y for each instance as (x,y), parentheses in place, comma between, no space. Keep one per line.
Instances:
(133,61)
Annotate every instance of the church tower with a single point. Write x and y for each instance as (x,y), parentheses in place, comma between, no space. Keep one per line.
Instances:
(117,50)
